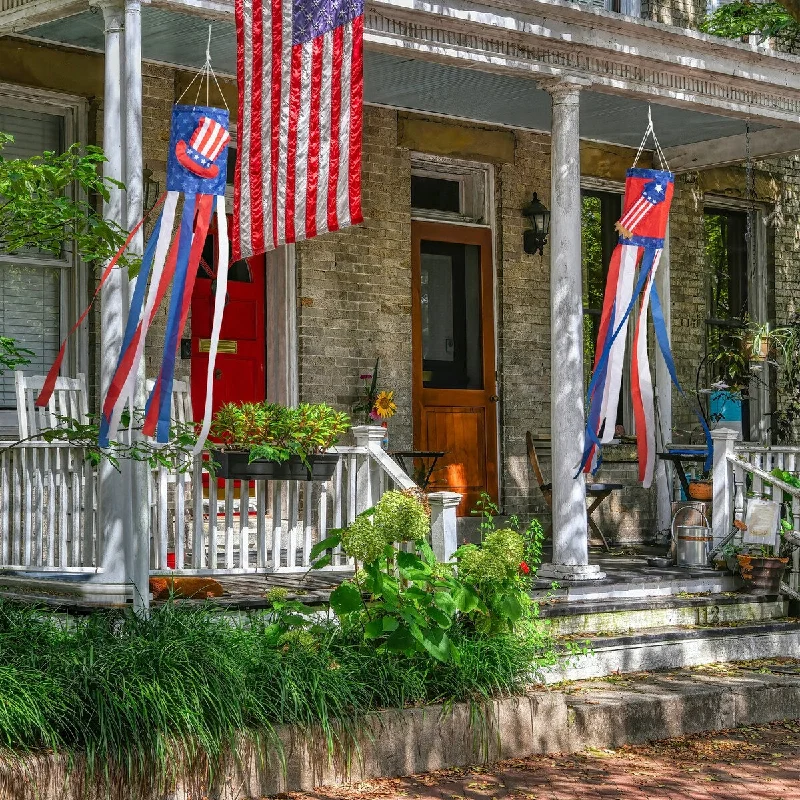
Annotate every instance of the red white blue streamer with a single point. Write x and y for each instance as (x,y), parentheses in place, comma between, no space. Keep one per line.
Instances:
(642,228)
(196,174)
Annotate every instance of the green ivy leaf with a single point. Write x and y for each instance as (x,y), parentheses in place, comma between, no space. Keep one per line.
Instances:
(511,606)
(466,599)
(445,601)
(409,561)
(345,599)
(440,618)
(401,641)
(390,624)
(330,542)
(374,628)
(438,644)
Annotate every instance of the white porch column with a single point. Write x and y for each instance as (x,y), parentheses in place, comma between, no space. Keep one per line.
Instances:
(138,549)
(724,440)
(114,487)
(567,422)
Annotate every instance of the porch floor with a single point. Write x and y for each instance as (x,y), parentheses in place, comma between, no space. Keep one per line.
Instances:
(628,575)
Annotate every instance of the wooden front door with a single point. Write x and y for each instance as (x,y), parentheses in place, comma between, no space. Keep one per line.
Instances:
(454,383)
(239,368)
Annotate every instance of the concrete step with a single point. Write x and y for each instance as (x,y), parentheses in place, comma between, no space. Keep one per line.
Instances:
(619,616)
(643,583)
(678,647)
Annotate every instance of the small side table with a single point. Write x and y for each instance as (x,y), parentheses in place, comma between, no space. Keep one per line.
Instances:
(401,455)
(677,457)
(599,492)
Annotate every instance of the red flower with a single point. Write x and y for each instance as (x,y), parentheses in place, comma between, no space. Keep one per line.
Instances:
(524,568)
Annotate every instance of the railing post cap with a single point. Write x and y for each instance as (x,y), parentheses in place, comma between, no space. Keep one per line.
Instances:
(725,434)
(372,433)
(445,498)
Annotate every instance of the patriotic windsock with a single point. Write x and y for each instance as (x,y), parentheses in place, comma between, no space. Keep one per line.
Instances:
(631,277)
(196,175)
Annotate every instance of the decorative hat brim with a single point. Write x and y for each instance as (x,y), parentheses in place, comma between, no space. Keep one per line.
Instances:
(185,160)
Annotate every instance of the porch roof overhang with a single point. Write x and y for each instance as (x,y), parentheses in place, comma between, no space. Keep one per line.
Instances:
(482,61)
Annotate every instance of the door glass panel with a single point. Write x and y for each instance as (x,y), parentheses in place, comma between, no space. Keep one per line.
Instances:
(450,277)
(238,271)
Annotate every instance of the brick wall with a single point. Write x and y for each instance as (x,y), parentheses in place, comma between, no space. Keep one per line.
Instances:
(354,287)
(681,13)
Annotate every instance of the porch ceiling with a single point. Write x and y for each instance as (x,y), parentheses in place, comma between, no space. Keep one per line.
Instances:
(415,84)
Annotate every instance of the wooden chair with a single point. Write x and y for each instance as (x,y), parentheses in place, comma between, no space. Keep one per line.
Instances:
(69,399)
(597,491)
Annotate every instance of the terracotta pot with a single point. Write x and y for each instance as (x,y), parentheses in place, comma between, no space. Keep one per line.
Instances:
(701,490)
(761,575)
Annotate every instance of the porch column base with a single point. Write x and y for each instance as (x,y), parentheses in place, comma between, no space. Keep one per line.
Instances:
(570,572)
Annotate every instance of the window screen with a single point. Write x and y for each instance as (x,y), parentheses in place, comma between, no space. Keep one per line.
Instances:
(30,292)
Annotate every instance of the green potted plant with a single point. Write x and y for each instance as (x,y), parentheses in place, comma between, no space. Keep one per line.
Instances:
(256,441)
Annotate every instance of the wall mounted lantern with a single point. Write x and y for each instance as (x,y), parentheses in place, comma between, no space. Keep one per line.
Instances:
(151,188)
(538,216)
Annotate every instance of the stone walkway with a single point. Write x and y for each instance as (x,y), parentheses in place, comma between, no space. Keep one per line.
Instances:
(758,762)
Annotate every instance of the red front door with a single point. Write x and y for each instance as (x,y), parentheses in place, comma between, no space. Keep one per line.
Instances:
(239,368)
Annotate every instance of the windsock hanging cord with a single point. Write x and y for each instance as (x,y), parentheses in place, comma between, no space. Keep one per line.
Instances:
(196,176)
(632,270)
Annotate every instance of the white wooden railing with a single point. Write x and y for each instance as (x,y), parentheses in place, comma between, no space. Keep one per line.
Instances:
(199,524)
(742,471)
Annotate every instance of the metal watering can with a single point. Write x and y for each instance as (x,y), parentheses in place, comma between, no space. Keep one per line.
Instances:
(692,543)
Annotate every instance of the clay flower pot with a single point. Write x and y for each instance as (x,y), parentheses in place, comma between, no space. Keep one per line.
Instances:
(761,575)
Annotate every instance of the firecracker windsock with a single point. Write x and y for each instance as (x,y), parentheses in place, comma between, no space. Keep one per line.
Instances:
(196,174)
(631,277)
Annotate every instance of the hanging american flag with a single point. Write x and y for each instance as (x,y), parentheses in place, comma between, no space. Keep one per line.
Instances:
(300,76)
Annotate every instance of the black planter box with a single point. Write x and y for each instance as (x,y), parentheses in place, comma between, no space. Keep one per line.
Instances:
(233,464)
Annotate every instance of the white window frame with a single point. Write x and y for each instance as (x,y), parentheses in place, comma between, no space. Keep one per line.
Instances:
(757,299)
(473,178)
(74,279)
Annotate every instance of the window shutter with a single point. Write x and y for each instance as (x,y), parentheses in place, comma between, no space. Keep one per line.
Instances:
(30,295)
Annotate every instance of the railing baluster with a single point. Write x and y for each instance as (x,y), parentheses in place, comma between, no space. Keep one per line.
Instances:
(352,474)
(758,484)
(39,502)
(277,511)
(91,541)
(198,526)
(163,520)
(229,498)
(51,459)
(6,518)
(180,517)
(213,520)
(28,500)
(322,512)
(293,523)
(244,525)
(261,524)
(738,498)
(63,507)
(308,492)
(75,508)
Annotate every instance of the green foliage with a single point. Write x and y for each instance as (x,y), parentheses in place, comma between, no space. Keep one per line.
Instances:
(274,432)
(12,356)
(42,204)
(145,702)
(743,18)
(176,455)
(407,602)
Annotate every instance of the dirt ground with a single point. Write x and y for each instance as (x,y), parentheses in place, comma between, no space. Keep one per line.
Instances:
(760,762)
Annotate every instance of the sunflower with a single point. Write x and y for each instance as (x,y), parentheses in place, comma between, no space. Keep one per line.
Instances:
(385,405)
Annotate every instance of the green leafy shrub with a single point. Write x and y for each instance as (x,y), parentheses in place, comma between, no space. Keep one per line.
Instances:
(274,432)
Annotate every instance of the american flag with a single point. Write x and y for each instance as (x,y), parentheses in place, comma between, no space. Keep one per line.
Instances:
(298,171)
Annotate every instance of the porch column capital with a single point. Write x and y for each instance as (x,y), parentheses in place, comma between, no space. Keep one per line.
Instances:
(113,14)
(565,89)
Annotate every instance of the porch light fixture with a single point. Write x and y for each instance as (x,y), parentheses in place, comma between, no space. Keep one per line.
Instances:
(538,216)
(151,188)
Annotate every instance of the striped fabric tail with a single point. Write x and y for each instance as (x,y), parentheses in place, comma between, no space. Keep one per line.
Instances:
(216,325)
(641,380)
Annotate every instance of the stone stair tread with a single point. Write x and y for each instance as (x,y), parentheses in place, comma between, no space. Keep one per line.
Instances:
(563,607)
(653,636)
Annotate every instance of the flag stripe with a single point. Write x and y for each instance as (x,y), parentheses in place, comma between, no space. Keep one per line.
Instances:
(356,102)
(300,72)
(336,119)
(315,90)
(321,222)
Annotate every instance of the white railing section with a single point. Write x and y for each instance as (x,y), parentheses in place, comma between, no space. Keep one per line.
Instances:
(199,524)
(743,470)
(48,508)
